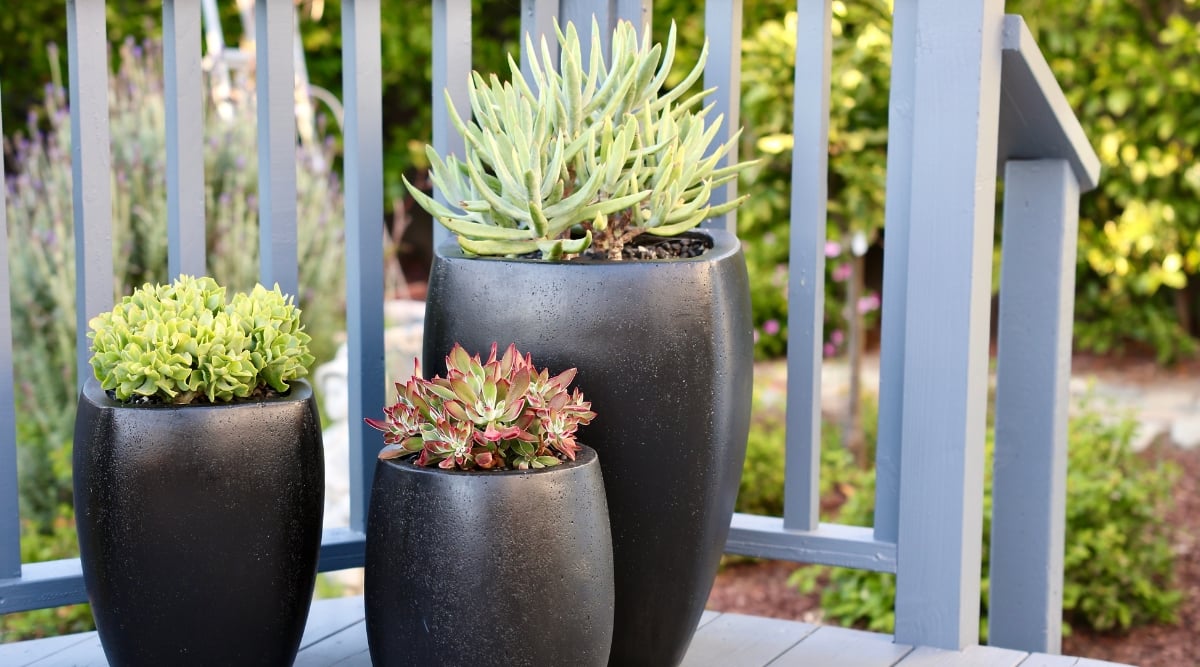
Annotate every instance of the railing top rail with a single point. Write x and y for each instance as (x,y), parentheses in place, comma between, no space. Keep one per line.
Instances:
(1036,122)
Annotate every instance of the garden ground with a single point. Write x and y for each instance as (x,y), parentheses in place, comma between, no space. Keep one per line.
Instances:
(1166,401)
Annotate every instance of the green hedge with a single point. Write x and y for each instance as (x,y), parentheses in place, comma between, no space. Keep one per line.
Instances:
(1118,565)
(1128,70)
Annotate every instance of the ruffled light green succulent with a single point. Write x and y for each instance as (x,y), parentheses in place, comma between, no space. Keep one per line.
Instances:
(181,342)
(579,157)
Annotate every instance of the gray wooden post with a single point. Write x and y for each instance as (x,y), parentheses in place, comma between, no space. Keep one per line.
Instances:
(895,270)
(1048,163)
(87,62)
(581,12)
(363,132)
(537,23)
(637,12)
(276,90)
(185,138)
(10,518)
(806,277)
(723,29)
(451,69)
(1037,295)
(955,121)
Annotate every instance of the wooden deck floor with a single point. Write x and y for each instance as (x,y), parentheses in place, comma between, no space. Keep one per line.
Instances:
(336,635)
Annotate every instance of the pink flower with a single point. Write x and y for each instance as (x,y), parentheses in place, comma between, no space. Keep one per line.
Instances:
(830,350)
(868,303)
(837,337)
(832,248)
(771,327)
(842,272)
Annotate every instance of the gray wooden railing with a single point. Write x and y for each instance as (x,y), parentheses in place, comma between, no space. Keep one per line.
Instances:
(971,98)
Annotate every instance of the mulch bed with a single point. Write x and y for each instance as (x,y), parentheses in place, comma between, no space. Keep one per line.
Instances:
(760,588)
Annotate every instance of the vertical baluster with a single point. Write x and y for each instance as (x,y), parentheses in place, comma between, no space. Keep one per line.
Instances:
(277,248)
(87,62)
(1033,367)
(895,270)
(537,22)
(956,96)
(451,69)
(637,12)
(723,28)
(10,523)
(185,138)
(806,265)
(581,12)
(363,131)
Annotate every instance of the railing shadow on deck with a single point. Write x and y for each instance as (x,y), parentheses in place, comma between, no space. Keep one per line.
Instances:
(971,99)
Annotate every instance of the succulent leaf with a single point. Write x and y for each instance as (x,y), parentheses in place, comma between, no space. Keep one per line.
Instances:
(546,156)
(498,414)
(174,343)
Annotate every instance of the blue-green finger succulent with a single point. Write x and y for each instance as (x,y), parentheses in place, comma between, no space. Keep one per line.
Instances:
(585,155)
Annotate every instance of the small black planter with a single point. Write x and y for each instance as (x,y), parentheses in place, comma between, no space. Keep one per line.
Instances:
(665,353)
(199,527)
(489,568)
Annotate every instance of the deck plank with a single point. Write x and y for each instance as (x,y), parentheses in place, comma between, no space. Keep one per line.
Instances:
(347,648)
(87,653)
(21,654)
(330,616)
(707,617)
(336,635)
(735,639)
(842,647)
(1046,660)
(975,656)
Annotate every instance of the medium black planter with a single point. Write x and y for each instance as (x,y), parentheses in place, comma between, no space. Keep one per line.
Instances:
(199,527)
(504,568)
(665,355)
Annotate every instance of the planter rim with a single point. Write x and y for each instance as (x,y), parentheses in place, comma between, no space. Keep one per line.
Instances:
(586,455)
(299,390)
(725,243)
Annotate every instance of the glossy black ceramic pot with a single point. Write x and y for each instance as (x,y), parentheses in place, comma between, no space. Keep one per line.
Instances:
(509,568)
(199,526)
(665,354)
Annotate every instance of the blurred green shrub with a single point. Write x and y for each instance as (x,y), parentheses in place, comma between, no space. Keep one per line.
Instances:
(842,476)
(1118,566)
(39,208)
(30,28)
(407,48)
(1129,71)
(48,536)
(1126,68)
(857,160)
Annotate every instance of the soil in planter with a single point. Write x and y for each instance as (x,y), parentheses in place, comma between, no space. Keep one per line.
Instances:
(650,247)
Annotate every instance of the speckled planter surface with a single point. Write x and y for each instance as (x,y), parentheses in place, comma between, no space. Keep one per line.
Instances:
(199,527)
(665,354)
(504,568)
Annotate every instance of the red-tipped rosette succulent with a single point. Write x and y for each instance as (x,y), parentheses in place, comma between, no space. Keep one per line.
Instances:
(501,414)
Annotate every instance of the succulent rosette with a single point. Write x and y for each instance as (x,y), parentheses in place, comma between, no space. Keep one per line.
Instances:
(181,343)
(500,414)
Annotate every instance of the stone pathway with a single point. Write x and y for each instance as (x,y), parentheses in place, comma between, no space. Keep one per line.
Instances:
(1166,402)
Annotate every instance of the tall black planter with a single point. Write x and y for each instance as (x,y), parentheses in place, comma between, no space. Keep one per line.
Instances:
(199,527)
(665,355)
(505,568)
